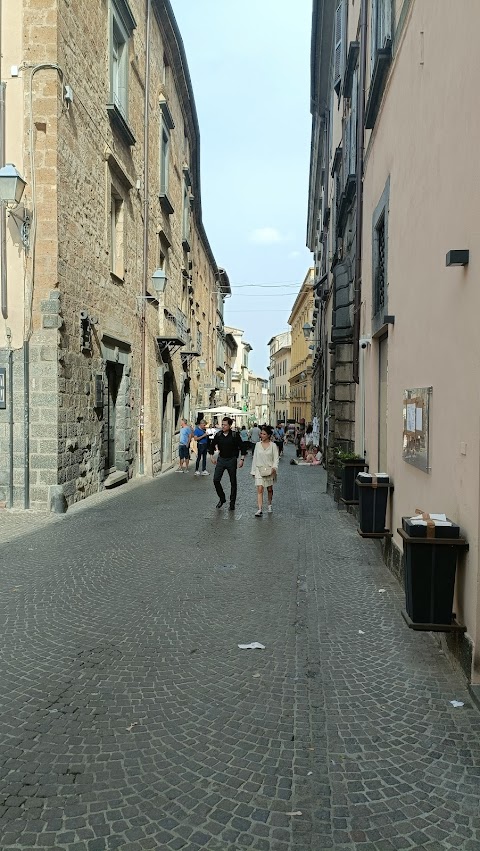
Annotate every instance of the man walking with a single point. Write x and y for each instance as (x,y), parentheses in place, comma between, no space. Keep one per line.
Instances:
(201,437)
(279,437)
(229,445)
(184,446)
(254,436)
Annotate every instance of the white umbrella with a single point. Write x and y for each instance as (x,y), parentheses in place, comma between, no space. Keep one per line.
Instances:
(231,412)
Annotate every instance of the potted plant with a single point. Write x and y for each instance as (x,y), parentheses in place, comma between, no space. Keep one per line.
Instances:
(349,465)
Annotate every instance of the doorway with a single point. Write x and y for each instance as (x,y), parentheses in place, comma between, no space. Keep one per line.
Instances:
(167,419)
(114,373)
(382,402)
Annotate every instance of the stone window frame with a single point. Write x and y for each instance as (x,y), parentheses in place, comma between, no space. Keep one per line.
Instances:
(380,219)
(116,231)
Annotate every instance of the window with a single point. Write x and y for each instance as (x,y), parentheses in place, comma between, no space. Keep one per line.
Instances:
(121,25)
(381,27)
(119,66)
(380,260)
(166,126)
(186,216)
(380,56)
(117,240)
(379,268)
(165,70)
(340,43)
(164,159)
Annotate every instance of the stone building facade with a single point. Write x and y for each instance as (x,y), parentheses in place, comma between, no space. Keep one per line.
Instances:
(300,377)
(257,399)
(279,370)
(239,393)
(115,297)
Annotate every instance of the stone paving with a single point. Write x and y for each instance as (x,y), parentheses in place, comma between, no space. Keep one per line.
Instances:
(130,719)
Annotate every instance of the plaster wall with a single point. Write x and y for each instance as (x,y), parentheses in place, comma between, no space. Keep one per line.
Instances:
(11,50)
(425,142)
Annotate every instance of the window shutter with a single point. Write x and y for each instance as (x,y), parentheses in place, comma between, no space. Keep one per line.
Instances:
(339,44)
(353,123)
(385,22)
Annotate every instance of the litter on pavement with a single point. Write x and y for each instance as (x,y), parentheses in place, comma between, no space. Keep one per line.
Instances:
(456,703)
(295,813)
(254,645)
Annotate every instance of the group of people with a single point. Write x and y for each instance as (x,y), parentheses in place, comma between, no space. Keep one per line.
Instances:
(306,447)
(228,449)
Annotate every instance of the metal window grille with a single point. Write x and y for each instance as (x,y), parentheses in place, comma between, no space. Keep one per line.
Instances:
(380,266)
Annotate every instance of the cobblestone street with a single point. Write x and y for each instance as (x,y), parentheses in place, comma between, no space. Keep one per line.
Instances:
(130,719)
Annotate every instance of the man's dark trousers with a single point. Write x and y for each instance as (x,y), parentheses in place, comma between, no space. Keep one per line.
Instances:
(229,464)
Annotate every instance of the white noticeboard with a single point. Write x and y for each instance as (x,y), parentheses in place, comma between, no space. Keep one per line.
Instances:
(416,427)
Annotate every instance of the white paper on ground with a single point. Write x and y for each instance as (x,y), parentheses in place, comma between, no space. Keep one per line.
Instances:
(456,703)
(254,645)
(361,632)
(381,590)
(295,813)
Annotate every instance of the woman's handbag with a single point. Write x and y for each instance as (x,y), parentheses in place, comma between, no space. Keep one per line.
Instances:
(265,471)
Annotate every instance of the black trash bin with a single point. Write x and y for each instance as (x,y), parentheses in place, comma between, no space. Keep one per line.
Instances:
(350,470)
(372,497)
(430,566)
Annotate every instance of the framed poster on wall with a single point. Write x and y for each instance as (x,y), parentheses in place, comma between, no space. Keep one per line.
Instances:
(416,427)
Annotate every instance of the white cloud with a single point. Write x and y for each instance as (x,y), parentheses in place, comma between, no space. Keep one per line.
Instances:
(294,254)
(265,236)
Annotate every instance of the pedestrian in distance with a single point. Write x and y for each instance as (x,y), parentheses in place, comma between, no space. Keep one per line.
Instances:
(229,445)
(254,436)
(200,437)
(244,436)
(185,437)
(308,441)
(265,467)
(279,437)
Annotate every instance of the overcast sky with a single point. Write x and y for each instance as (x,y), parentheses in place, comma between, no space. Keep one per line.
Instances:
(249,64)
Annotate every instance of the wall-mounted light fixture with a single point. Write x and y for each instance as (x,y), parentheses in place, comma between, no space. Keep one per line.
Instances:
(307,330)
(159,280)
(458,257)
(12,186)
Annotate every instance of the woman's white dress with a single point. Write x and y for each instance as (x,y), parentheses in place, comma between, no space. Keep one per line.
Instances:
(264,458)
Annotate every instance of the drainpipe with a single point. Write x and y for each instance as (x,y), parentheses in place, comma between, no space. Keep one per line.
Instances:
(359,188)
(146,128)
(10,424)
(26,423)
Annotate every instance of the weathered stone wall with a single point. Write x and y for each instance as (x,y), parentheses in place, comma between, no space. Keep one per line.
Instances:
(81,159)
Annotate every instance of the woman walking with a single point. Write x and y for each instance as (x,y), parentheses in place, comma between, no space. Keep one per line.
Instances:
(264,468)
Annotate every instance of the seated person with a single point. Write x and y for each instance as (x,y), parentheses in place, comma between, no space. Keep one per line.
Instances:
(314,456)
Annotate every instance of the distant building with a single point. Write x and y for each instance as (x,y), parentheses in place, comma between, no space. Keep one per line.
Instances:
(240,371)
(279,371)
(300,378)
(257,399)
